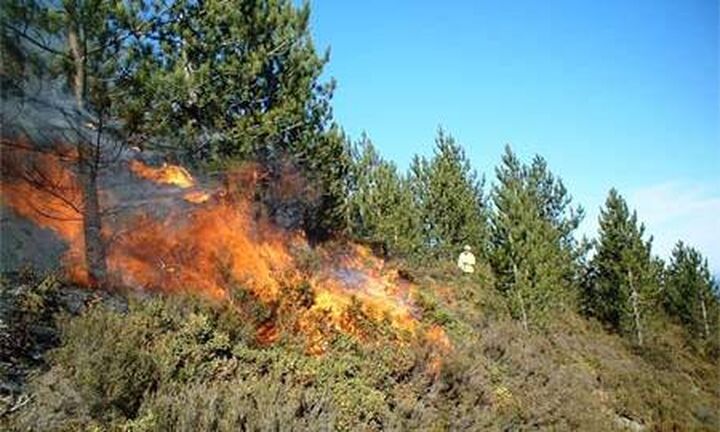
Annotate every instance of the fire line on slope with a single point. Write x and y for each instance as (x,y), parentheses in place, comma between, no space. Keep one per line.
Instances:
(211,240)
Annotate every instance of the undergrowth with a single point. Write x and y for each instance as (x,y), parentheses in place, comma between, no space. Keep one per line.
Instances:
(188,364)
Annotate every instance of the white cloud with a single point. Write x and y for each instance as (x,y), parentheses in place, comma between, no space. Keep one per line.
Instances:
(680,210)
(672,211)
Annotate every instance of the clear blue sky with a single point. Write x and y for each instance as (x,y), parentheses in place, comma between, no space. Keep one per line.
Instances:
(611,93)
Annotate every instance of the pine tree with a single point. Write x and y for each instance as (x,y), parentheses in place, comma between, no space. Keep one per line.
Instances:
(449,194)
(326,166)
(533,251)
(381,209)
(239,80)
(691,295)
(622,290)
(233,79)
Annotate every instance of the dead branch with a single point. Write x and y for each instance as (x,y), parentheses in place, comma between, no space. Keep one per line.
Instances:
(21,402)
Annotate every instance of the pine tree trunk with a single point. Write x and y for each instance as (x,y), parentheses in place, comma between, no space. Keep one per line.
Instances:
(78,83)
(92,223)
(523,312)
(636,309)
(705,320)
(87,171)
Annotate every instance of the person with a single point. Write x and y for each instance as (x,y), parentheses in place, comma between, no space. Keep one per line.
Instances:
(466,260)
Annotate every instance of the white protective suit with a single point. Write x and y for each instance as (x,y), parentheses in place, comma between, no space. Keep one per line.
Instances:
(466,261)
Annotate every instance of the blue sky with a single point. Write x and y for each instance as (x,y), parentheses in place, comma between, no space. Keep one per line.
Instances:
(611,93)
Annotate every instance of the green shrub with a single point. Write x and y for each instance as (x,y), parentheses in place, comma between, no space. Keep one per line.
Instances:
(107,356)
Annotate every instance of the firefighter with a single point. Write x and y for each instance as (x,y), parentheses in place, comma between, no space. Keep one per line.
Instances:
(466,260)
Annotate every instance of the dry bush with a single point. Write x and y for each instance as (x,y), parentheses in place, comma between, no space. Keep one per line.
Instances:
(252,404)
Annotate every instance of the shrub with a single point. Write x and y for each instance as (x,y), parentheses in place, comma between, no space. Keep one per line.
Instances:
(106,355)
(184,363)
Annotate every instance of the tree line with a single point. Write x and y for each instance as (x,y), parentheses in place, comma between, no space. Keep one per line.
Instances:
(216,83)
(525,229)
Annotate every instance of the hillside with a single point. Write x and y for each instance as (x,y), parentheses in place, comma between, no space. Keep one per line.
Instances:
(191,240)
(129,362)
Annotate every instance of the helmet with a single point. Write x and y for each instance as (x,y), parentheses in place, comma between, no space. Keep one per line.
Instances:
(467,248)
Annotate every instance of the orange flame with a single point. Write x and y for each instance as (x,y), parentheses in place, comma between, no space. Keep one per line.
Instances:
(40,187)
(206,251)
(166,174)
(196,197)
(219,244)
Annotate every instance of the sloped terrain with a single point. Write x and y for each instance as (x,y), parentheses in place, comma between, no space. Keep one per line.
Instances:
(129,362)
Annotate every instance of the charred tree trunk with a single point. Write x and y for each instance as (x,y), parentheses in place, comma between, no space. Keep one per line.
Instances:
(88,166)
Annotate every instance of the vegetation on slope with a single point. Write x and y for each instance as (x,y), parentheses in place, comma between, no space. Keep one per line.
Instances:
(543,336)
(182,363)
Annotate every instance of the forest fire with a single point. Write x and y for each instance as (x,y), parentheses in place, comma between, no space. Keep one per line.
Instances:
(214,244)
(39,187)
(166,174)
(172,175)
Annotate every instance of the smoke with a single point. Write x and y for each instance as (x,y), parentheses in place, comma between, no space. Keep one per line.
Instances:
(165,230)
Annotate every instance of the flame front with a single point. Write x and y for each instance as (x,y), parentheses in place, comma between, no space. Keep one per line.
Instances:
(166,174)
(216,244)
(207,250)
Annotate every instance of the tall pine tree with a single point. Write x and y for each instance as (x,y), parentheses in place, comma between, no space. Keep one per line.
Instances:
(623,284)
(533,251)
(77,48)
(381,209)
(228,81)
(450,196)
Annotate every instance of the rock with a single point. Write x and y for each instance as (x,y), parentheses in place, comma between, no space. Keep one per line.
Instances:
(625,422)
